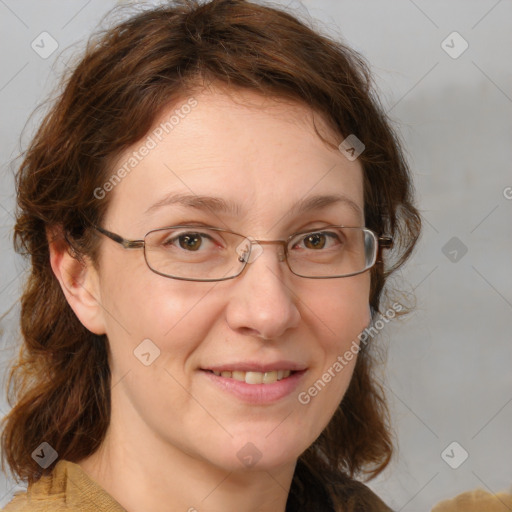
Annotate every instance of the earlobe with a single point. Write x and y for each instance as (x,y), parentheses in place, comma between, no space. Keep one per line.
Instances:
(79,281)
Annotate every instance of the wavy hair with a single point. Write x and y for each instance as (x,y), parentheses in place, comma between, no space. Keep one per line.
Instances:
(59,386)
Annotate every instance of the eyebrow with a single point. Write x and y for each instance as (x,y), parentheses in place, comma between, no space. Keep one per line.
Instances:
(205,203)
(228,207)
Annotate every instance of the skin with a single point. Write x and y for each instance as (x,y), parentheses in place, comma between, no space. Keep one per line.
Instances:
(173,438)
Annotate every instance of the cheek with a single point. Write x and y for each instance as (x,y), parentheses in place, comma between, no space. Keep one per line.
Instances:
(337,316)
(340,310)
(141,306)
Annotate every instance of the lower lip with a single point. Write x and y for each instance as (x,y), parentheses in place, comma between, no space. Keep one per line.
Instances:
(257,393)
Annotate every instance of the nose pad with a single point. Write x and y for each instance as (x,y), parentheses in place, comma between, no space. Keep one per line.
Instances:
(249,250)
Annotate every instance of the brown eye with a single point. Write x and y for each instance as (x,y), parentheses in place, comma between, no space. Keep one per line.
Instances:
(179,240)
(190,241)
(315,241)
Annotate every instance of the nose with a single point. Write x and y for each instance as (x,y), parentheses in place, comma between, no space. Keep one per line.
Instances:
(262,302)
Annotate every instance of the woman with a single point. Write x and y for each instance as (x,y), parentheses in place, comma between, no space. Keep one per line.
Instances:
(212,209)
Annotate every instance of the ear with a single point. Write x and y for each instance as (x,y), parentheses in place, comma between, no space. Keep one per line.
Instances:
(79,281)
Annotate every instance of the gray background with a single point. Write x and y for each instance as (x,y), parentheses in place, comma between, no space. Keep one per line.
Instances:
(448,373)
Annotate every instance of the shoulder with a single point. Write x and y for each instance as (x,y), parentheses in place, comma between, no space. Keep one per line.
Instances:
(21,503)
(46,492)
(475,501)
(66,488)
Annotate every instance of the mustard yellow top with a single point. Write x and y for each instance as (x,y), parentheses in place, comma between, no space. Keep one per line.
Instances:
(67,488)
(476,501)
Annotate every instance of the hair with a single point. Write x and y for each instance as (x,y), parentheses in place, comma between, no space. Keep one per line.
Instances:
(59,385)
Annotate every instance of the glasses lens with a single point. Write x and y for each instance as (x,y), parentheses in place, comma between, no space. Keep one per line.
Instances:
(332,252)
(212,254)
(191,252)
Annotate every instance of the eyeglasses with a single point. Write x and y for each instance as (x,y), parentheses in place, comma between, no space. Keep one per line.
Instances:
(200,253)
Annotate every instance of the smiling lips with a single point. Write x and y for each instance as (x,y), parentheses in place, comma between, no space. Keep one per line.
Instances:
(256,382)
(254,377)
(257,372)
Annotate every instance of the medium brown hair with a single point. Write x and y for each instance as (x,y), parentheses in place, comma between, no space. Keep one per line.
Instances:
(60,385)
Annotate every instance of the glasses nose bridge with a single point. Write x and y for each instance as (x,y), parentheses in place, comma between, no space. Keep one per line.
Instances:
(281,255)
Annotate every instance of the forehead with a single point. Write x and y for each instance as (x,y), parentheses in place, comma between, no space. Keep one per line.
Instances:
(260,155)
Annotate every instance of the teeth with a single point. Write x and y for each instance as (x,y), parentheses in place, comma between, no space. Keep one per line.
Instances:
(269,377)
(255,377)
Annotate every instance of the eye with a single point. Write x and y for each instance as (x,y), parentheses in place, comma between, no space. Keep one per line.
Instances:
(189,241)
(317,240)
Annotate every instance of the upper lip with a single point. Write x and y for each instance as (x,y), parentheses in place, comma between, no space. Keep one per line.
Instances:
(256,366)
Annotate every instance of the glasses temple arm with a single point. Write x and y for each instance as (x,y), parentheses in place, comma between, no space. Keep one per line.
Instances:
(127,244)
(385,242)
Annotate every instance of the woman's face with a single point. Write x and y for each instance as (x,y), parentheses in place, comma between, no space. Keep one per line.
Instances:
(266,161)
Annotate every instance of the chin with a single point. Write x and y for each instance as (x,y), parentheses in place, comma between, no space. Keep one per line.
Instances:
(260,452)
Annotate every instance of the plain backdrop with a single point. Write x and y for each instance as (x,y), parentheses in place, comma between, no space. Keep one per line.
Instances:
(448,373)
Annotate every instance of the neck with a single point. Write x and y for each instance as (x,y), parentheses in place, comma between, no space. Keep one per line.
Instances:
(143,472)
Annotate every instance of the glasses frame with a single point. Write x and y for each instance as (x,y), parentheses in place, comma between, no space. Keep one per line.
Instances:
(382,242)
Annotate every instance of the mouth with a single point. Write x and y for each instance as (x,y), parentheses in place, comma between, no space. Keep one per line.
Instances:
(253,377)
(257,382)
